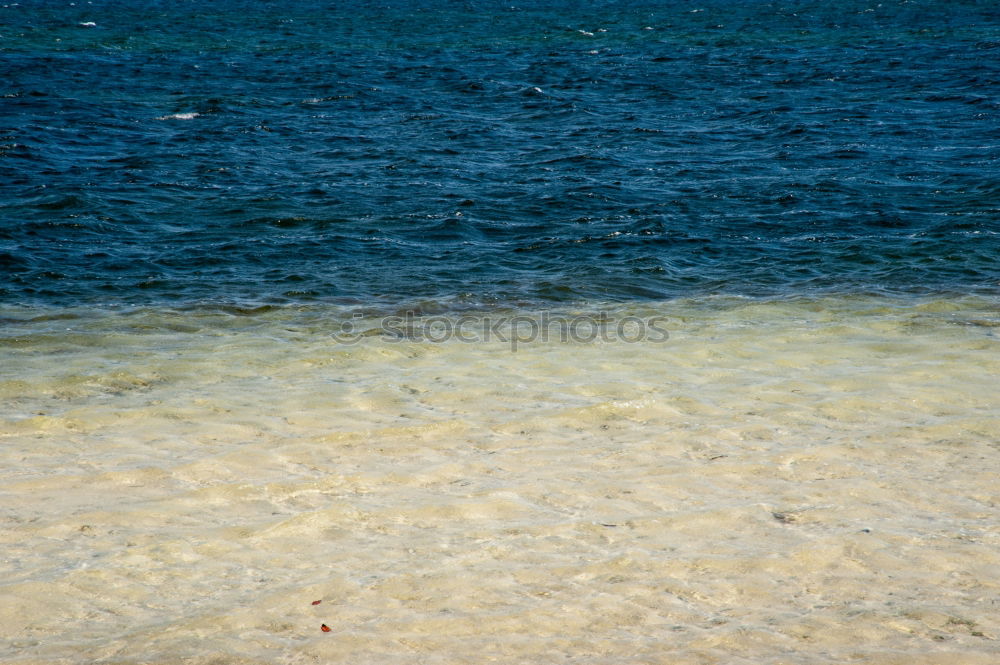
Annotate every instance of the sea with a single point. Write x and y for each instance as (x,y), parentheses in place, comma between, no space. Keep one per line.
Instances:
(434,332)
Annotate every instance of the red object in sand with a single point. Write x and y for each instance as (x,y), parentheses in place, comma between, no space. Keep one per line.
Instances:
(325,628)
(317,602)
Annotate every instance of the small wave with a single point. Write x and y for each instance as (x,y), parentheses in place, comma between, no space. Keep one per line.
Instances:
(179,116)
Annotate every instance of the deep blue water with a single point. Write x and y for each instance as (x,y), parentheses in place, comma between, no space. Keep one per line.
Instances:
(285,152)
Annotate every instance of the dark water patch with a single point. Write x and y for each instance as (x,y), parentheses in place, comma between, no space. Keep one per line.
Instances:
(548,151)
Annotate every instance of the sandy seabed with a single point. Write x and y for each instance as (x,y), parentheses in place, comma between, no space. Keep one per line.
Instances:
(779,482)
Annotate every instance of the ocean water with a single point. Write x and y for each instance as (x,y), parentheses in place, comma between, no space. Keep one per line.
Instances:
(511,332)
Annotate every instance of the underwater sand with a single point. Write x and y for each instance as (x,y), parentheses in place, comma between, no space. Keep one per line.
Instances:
(804,481)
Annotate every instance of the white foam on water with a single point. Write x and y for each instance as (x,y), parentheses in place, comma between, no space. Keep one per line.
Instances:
(179,116)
